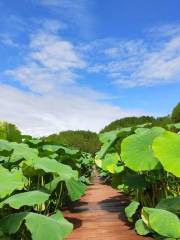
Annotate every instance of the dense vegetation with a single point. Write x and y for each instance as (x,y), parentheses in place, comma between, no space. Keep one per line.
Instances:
(145,164)
(9,132)
(176,114)
(36,181)
(86,141)
(138,155)
(133,121)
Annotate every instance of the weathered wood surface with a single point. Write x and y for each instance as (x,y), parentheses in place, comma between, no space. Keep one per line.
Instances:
(100,215)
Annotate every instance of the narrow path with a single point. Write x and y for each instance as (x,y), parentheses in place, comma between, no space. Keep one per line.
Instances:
(100,215)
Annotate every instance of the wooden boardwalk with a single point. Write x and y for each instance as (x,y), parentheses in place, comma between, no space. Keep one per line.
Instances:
(100,215)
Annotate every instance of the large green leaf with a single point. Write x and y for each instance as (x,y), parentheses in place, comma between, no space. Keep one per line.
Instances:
(171,204)
(5,146)
(141,130)
(40,226)
(108,139)
(131,209)
(136,150)
(145,213)
(75,188)
(23,151)
(110,161)
(52,148)
(60,149)
(141,228)
(10,181)
(167,149)
(26,199)
(66,226)
(11,223)
(52,166)
(52,185)
(163,222)
(28,169)
(46,228)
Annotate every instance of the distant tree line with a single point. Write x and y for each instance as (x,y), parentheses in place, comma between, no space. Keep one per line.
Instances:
(10,132)
(175,116)
(88,141)
(133,121)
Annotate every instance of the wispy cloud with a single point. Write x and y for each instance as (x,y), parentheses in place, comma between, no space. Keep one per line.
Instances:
(50,25)
(53,67)
(43,115)
(78,14)
(142,62)
(8,40)
(50,62)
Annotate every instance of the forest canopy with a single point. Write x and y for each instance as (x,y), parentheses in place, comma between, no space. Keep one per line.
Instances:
(86,141)
(10,132)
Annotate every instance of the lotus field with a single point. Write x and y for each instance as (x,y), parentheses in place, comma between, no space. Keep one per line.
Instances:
(144,163)
(36,181)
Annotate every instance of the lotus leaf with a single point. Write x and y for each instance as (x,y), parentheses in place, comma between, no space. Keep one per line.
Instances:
(5,145)
(131,209)
(11,223)
(23,151)
(136,150)
(41,227)
(10,181)
(52,166)
(163,222)
(170,204)
(110,161)
(141,228)
(75,188)
(45,228)
(167,149)
(26,199)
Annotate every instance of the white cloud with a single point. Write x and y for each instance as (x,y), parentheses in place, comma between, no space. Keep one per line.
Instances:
(43,115)
(72,10)
(136,63)
(77,13)
(53,66)
(49,63)
(54,53)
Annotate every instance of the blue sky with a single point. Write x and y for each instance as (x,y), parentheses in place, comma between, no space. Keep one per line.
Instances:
(79,64)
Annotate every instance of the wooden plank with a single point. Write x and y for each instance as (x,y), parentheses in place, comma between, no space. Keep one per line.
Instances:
(100,215)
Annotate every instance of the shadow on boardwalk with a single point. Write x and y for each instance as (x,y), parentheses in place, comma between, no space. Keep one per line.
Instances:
(100,215)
